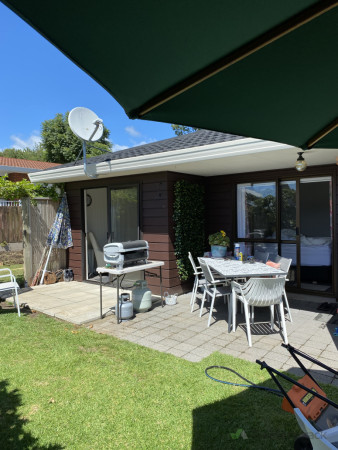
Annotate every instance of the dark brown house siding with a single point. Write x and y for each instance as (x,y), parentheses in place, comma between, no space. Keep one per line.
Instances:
(156,223)
(156,214)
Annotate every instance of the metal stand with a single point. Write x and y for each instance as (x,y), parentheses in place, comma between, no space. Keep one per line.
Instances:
(118,273)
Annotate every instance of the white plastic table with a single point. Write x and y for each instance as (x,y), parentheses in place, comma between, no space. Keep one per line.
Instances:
(119,272)
(229,268)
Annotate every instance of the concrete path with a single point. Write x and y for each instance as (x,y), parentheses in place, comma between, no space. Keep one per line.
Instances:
(175,330)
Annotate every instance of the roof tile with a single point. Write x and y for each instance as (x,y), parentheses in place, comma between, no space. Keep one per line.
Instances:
(26,163)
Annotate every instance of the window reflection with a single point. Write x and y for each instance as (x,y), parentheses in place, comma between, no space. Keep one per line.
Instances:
(257,212)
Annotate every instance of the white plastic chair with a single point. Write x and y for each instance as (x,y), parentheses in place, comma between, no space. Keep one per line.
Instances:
(11,285)
(214,288)
(97,250)
(285,264)
(261,256)
(198,282)
(259,292)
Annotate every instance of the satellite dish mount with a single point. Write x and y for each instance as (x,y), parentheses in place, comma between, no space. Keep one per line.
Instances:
(87,126)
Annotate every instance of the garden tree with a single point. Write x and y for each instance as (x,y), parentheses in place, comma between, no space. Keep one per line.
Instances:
(17,190)
(179,130)
(35,154)
(62,146)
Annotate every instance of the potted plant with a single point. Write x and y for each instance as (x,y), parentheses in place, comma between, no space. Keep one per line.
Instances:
(219,242)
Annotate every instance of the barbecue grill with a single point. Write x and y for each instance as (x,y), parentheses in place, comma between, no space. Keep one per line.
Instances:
(123,254)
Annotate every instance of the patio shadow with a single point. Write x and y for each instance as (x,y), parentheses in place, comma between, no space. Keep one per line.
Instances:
(12,434)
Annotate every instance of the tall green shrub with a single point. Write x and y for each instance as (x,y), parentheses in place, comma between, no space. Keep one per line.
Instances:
(189,220)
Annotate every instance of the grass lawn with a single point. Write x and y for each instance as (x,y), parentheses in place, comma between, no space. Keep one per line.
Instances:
(68,387)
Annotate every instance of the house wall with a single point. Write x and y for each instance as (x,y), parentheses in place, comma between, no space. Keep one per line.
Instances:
(221,199)
(156,212)
(17,176)
(156,223)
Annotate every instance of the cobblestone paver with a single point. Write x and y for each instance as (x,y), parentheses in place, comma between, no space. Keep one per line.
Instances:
(175,330)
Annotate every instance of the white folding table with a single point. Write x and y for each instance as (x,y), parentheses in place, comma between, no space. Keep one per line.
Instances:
(120,272)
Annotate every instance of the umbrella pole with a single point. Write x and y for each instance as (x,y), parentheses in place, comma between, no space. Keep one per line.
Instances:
(45,268)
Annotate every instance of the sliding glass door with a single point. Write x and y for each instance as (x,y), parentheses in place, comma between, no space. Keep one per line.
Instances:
(288,227)
(315,224)
(291,218)
(257,218)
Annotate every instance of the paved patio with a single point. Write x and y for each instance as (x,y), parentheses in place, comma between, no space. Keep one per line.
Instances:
(175,330)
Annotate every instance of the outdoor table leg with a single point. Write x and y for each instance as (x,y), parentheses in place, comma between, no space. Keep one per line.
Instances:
(101,295)
(161,286)
(117,309)
(234,312)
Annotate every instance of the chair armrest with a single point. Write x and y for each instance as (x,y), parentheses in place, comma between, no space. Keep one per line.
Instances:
(236,287)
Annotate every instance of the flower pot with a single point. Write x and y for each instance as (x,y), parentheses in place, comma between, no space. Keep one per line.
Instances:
(218,251)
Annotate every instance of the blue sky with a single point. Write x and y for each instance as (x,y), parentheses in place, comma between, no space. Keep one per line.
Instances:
(37,82)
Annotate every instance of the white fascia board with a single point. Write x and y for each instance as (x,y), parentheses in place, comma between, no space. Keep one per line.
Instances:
(15,169)
(160,160)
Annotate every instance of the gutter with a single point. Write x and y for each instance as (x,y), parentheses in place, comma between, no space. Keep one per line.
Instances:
(15,169)
(159,161)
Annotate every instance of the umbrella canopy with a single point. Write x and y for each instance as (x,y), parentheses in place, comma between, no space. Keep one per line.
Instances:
(60,234)
(264,69)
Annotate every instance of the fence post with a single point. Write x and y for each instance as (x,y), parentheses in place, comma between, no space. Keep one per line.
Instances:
(27,246)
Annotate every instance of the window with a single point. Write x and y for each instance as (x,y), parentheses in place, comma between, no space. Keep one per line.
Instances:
(256,211)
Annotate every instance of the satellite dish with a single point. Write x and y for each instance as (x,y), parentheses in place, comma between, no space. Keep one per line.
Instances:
(85,124)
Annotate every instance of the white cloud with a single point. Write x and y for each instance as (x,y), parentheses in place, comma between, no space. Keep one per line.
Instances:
(117,147)
(144,142)
(132,131)
(20,144)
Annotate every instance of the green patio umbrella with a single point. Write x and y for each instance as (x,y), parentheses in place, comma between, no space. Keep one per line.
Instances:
(264,69)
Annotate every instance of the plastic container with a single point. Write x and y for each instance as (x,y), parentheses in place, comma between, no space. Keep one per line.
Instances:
(237,250)
(170,299)
(141,296)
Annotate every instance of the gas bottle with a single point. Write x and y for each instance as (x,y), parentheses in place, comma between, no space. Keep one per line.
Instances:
(126,307)
(141,296)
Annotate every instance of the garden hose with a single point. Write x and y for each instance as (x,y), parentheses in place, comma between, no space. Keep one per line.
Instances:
(250,385)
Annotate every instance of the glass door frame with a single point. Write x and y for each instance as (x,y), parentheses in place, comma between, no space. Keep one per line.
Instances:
(109,208)
(296,177)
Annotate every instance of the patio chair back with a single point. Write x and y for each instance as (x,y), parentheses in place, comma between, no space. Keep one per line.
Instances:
(285,263)
(261,256)
(191,259)
(206,271)
(98,252)
(263,291)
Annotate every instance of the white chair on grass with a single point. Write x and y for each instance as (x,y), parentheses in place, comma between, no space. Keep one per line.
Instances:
(259,292)
(285,264)
(198,282)
(215,288)
(11,285)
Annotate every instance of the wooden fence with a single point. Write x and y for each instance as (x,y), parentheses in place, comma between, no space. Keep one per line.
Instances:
(10,224)
(37,221)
